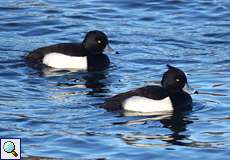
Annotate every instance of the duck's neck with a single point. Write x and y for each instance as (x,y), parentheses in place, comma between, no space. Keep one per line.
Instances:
(85,48)
(174,91)
(91,50)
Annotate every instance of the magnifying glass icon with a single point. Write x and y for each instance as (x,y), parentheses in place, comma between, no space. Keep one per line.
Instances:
(9,147)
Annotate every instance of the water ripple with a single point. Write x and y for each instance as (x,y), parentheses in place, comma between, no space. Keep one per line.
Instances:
(57,113)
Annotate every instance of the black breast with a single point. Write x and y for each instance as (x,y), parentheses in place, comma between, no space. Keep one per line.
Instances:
(97,62)
(181,102)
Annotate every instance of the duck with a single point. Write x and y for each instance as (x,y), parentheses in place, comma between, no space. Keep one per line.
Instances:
(89,55)
(171,96)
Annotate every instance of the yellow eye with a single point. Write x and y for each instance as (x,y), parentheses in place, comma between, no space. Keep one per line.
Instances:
(99,41)
(177,80)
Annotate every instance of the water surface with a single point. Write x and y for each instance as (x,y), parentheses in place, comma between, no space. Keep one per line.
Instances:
(59,115)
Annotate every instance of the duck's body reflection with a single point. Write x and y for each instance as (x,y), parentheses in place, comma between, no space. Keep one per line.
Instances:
(176,122)
(71,81)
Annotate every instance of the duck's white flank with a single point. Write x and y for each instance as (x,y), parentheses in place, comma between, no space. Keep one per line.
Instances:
(58,60)
(142,104)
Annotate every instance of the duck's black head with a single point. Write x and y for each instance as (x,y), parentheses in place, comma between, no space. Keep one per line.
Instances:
(96,42)
(173,79)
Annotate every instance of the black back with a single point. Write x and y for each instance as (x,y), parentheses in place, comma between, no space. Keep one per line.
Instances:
(153,92)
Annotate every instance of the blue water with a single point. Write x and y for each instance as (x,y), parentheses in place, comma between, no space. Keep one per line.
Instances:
(58,115)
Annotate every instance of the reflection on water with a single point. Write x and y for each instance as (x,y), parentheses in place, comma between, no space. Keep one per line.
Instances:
(57,113)
(77,83)
(177,123)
